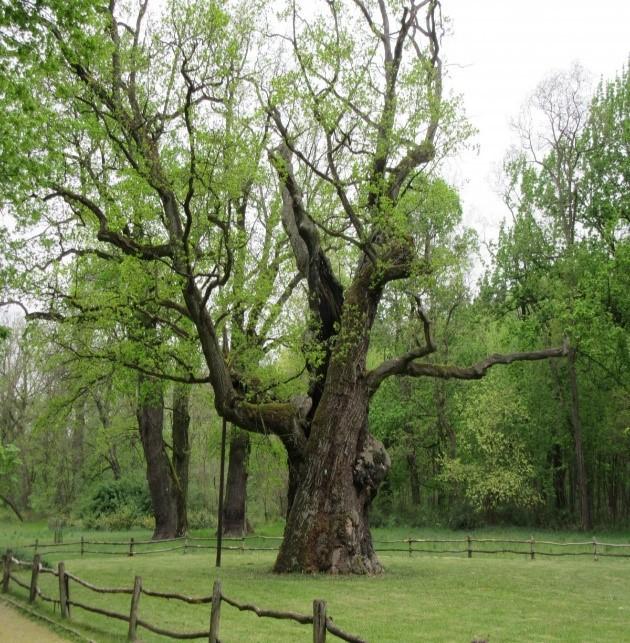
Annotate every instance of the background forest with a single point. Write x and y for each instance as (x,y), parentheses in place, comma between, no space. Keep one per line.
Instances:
(104,406)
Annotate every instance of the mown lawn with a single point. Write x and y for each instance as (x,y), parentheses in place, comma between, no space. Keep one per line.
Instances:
(423,598)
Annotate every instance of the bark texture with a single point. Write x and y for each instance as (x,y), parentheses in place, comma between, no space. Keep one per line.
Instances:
(234,517)
(150,415)
(181,455)
(328,526)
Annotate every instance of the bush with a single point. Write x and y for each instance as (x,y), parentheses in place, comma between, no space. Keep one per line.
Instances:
(201,519)
(117,504)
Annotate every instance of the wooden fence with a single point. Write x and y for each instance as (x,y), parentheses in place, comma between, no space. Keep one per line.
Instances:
(318,619)
(530,547)
(466,545)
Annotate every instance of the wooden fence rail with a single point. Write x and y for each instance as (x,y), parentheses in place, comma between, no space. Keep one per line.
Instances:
(318,619)
(530,547)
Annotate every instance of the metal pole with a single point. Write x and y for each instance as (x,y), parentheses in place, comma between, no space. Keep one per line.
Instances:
(221,482)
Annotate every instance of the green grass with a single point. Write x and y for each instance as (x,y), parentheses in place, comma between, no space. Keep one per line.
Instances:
(423,598)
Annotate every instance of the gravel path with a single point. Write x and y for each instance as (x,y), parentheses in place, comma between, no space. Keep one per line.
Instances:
(16,628)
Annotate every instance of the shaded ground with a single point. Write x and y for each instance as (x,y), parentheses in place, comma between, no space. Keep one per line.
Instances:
(15,627)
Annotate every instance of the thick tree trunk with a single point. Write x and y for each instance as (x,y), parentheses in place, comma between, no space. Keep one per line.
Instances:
(234,518)
(181,455)
(294,477)
(327,528)
(150,414)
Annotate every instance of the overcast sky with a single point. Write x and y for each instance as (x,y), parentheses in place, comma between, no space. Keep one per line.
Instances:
(497,53)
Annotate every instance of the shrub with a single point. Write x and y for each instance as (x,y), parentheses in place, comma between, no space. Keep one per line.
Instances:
(201,519)
(117,504)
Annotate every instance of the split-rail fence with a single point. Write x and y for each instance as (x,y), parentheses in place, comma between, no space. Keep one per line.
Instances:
(320,622)
(467,545)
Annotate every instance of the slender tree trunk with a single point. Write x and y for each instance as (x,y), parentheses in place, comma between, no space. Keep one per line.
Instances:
(234,519)
(559,476)
(150,414)
(446,432)
(114,464)
(78,445)
(612,489)
(181,455)
(103,408)
(27,479)
(580,464)
(578,481)
(7,501)
(414,478)
(625,494)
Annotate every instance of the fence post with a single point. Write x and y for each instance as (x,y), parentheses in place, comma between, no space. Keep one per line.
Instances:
(410,549)
(215,612)
(36,544)
(594,549)
(63,591)
(242,543)
(82,545)
(532,553)
(6,571)
(131,542)
(186,543)
(32,595)
(319,621)
(469,546)
(133,612)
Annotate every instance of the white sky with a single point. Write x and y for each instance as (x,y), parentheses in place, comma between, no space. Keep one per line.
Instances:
(497,53)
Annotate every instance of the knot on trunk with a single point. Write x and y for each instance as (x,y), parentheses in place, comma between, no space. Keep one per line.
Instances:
(371,466)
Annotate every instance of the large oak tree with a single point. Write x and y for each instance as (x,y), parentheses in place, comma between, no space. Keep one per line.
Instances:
(150,139)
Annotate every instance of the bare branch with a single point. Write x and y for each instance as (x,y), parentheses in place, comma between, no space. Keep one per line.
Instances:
(326,293)
(121,241)
(475,372)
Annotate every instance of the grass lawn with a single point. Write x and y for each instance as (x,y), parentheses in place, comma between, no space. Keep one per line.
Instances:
(423,598)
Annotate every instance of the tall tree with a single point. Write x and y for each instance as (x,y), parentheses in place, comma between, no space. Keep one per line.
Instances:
(566,195)
(137,116)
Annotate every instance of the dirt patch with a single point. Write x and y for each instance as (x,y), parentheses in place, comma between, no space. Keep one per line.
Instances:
(15,627)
